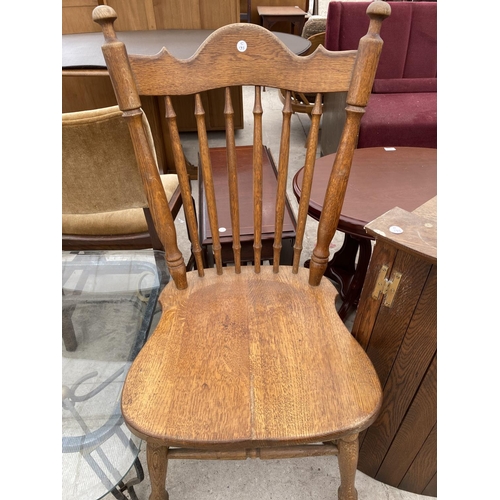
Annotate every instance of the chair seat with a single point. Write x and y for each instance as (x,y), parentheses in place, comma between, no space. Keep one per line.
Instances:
(128,221)
(230,366)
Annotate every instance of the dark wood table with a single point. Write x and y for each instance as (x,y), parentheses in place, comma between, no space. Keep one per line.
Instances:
(270,15)
(245,172)
(83,50)
(381,178)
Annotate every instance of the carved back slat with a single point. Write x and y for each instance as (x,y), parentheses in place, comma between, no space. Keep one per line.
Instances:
(223,61)
(206,167)
(282,177)
(232,179)
(257,178)
(305,195)
(304,198)
(181,169)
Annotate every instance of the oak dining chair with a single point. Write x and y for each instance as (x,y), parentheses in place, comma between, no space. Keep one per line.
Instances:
(103,202)
(247,360)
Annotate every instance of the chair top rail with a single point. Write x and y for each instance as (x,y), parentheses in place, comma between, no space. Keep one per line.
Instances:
(243,54)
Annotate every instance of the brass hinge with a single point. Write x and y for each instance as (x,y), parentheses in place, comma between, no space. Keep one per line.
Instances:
(385,286)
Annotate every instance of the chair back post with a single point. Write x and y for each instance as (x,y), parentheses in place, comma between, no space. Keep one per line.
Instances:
(130,104)
(370,47)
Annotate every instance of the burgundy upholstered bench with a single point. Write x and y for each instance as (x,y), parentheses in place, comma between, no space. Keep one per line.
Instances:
(403,106)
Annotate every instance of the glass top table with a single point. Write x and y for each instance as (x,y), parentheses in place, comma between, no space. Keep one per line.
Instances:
(109,307)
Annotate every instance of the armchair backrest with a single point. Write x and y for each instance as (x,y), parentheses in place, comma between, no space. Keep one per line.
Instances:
(99,167)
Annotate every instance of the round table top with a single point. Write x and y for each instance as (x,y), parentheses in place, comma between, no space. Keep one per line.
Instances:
(380,180)
(83,50)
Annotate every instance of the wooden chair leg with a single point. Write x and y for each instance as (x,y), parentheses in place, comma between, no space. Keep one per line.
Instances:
(157,467)
(348,461)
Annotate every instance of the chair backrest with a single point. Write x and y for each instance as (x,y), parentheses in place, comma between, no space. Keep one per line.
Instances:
(243,54)
(103,201)
(99,167)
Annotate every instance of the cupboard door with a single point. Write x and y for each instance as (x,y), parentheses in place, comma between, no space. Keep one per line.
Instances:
(400,447)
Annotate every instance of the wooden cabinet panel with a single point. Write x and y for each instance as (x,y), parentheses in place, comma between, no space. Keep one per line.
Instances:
(195,14)
(214,14)
(89,92)
(215,103)
(179,15)
(77,16)
(399,448)
(411,460)
(133,15)
(393,324)
(79,3)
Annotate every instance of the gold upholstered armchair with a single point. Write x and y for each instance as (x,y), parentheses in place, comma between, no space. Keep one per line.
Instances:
(103,201)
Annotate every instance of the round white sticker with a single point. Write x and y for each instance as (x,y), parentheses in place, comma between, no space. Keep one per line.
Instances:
(241,45)
(395,230)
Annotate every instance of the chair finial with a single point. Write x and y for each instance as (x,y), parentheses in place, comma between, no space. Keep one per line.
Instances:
(378,9)
(105,16)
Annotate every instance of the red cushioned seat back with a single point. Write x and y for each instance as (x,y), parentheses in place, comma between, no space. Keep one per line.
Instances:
(409,34)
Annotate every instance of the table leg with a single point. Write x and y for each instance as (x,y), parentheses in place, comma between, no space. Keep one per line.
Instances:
(342,266)
(353,291)
(343,270)
(68,332)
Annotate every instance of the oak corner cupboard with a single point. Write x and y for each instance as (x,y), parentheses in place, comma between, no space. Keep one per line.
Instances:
(396,323)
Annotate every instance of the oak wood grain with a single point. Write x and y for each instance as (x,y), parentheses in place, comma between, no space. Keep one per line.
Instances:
(410,461)
(263,378)
(418,235)
(415,353)
(393,323)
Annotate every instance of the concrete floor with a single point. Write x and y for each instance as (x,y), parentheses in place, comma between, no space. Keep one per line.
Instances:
(304,478)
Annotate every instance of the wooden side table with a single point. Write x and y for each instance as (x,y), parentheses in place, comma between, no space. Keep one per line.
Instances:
(379,180)
(245,170)
(272,15)
(396,323)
